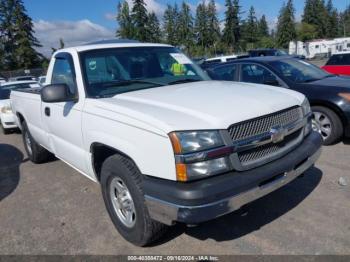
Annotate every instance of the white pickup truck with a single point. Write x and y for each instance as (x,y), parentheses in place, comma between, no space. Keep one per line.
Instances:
(166,144)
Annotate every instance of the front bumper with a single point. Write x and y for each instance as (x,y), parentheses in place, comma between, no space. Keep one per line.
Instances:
(8,120)
(199,201)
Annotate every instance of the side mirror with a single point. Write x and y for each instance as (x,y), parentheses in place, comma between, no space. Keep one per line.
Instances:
(57,93)
(271,81)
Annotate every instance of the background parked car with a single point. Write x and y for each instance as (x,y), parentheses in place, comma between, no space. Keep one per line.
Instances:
(2,80)
(329,94)
(339,64)
(42,80)
(270,52)
(22,78)
(266,52)
(217,60)
(7,118)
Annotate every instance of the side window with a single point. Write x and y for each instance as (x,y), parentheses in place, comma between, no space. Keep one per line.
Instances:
(346,59)
(253,73)
(63,74)
(332,60)
(226,73)
(339,60)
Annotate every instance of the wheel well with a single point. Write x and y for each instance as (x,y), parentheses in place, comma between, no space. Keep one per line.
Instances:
(21,119)
(99,153)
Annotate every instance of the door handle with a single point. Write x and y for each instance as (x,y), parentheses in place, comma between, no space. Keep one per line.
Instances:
(47,111)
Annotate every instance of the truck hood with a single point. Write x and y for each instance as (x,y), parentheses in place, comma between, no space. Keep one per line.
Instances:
(199,105)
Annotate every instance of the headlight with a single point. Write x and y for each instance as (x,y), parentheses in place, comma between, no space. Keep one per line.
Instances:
(210,167)
(346,96)
(199,154)
(307,113)
(6,110)
(195,141)
(306,107)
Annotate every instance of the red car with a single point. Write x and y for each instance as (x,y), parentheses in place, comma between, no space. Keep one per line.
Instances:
(339,64)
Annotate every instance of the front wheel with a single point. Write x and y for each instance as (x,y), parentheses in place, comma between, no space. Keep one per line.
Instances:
(328,124)
(124,199)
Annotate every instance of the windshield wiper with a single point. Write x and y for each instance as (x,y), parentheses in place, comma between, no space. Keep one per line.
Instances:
(187,80)
(327,76)
(310,80)
(130,82)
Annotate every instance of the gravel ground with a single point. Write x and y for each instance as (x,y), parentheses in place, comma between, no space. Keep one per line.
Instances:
(51,209)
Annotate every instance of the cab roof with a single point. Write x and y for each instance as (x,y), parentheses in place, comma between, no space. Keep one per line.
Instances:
(112,43)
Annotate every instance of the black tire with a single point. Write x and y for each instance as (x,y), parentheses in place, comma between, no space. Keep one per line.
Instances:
(337,128)
(36,153)
(145,230)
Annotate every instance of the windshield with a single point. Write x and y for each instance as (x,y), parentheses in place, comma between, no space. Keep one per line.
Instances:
(6,90)
(299,71)
(109,72)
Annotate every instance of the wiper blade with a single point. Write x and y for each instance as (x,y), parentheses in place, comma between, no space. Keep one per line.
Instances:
(130,82)
(187,80)
(309,80)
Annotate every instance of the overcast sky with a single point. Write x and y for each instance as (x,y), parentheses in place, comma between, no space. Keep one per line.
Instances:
(81,21)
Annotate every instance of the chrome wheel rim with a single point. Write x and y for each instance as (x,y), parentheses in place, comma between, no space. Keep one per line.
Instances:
(28,143)
(322,124)
(122,202)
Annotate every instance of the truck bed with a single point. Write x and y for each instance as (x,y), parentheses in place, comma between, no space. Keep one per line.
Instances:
(29,90)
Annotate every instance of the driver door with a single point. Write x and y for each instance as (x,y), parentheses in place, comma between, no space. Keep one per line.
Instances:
(62,121)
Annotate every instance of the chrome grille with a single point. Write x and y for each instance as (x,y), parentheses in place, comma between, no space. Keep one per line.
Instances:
(249,156)
(264,124)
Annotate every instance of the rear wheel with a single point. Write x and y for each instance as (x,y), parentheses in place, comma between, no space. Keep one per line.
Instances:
(36,153)
(328,124)
(124,199)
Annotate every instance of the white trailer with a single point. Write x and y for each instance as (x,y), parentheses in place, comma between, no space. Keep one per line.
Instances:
(319,47)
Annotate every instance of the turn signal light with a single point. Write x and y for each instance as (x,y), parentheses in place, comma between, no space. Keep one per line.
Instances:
(345,96)
(181,172)
(176,143)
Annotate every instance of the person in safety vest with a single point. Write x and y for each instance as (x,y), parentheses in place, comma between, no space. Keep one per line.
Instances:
(178,69)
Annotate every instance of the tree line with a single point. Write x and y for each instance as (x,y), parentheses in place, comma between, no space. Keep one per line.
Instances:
(197,33)
(203,33)
(17,41)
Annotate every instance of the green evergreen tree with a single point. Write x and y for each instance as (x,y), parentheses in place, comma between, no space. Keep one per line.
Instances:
(236,20)
(263,27)
(232,29)
(344,23)
(213,32)
(7,33)
(170,26)
(154,28)
(185,27)
(26,42)
(251,27)
(286,31)
(139,16)
(201,25)
(125,25)
(332,21)
(315,13)
(17,36)
(306,32)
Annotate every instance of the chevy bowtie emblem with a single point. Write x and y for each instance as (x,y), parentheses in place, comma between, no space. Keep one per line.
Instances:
(277,134)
